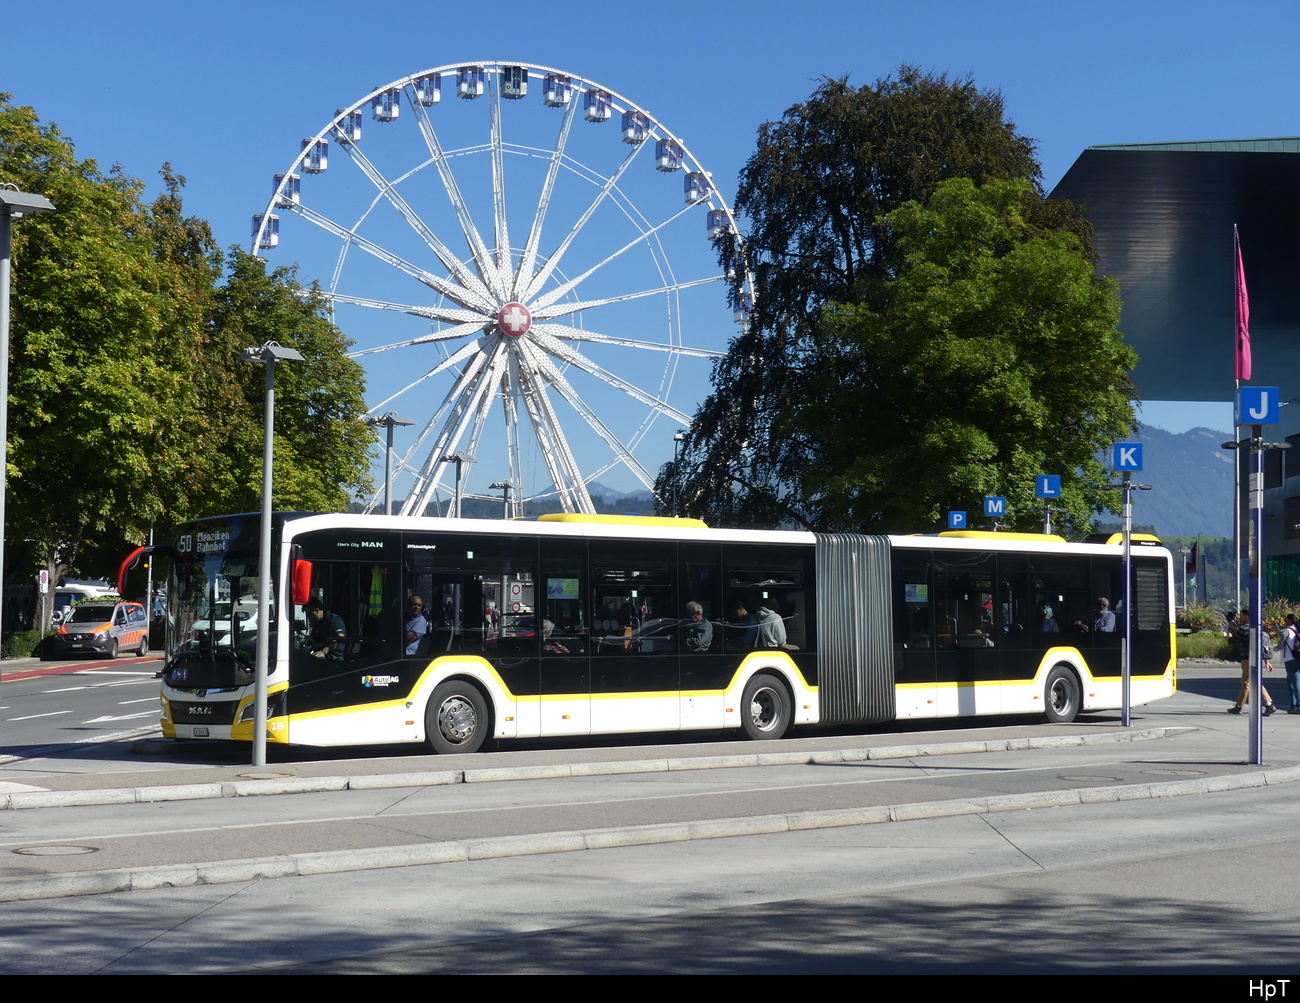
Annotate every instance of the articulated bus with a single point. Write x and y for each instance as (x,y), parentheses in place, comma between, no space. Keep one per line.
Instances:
(590,625)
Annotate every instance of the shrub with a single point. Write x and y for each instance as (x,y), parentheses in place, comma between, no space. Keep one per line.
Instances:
(1275,610)
(23,643)
(1198,616)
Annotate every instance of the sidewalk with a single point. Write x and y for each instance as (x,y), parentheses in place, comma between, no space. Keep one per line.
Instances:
(1186,745)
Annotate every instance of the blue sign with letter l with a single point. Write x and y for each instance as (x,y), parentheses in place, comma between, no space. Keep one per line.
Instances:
(1258,405)
(1126,456)
(1047,486)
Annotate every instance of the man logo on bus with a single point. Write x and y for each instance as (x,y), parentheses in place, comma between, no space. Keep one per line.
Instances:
(514,319)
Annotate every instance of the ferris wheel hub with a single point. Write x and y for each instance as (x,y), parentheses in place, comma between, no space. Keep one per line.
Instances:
(514,319)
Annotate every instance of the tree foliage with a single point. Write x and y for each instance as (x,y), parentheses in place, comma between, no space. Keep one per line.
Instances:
(825,193)
(127,405)
(992,356)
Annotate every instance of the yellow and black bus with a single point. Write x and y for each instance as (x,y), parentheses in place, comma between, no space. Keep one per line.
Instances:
(589,625)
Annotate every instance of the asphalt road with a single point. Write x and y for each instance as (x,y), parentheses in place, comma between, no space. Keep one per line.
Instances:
(1137,883)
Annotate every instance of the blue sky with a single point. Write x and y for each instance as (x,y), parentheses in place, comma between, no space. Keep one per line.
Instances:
(225,92)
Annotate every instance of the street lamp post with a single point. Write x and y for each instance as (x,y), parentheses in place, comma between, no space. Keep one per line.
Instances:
(389,420)
(460,459)
(678,438)
(267,355)
(507,487)
(13,205)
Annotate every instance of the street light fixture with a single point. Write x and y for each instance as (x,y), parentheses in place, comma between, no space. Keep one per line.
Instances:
(13,205)
(389,420)
(267,355)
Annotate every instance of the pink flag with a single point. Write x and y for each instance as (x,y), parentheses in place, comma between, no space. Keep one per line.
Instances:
(1243,315)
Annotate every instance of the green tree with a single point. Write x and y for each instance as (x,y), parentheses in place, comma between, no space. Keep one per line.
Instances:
(321,444)
(127,404)
(93,405)
(994,354)
(818,193)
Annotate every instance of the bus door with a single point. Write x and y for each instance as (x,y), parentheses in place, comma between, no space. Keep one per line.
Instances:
(565,635)
(968,634)
(477,593)
(636,632)
(914,635)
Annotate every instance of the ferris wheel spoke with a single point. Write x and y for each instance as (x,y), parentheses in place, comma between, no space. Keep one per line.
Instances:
(569,307)
(556,379)
(458,294)
(501,226)
(448,314)
(563,289)
(451,334)
(388,190)
(572,356)
(528,261)
(556,453)
(491,382)
(459,409)
(553,260)
(579,334)
(483,259)
(463,353)
(509,398)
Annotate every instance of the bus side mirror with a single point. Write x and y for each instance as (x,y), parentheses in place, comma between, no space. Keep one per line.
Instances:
(300,582)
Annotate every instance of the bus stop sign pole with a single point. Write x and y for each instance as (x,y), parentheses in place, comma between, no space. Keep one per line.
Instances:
(1257,407)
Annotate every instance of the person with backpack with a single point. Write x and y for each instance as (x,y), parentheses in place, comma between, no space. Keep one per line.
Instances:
(1291,660)
(1241,638)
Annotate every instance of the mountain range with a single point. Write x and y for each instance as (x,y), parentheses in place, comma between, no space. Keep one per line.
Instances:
(1191,483)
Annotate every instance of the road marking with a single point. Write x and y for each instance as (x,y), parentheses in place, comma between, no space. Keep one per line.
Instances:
(66,689)
(30,717)
(119,717)
(123,703)
(50,751)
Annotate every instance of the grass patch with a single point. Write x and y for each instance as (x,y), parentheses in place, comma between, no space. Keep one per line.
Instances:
(1205,645)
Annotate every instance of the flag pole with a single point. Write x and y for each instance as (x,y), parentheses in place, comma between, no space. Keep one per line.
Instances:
(1242,371)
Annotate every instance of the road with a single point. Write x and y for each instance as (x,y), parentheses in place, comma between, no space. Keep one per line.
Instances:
(1187,883)
(47,708)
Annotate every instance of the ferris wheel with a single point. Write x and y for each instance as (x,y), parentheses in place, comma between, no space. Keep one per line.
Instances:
(518,269)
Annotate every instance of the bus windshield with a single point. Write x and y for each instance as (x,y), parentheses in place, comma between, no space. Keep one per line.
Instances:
(215,585)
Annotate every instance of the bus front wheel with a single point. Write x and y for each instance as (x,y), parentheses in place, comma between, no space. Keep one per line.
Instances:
(765,708)
(456,719)
(1061,697)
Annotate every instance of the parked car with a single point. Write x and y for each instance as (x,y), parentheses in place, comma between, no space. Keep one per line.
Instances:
(101,627)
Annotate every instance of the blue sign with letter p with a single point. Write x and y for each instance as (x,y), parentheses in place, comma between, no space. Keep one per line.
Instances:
(956,520)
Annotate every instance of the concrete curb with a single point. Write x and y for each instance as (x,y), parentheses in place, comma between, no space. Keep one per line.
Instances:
(434,778)
(334,861)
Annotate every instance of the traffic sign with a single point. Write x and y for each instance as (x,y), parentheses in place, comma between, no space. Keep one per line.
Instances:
(956,520)
(994,506)
(1047,486)
(1126,456)
(1258,405)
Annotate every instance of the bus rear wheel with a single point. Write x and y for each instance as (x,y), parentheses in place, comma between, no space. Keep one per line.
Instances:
(456,718)
(1061,697)
(765,708)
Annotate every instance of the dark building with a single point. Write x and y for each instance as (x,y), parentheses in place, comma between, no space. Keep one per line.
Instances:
(1163,215)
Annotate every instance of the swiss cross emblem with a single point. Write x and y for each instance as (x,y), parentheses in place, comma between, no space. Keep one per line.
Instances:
(514,319)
